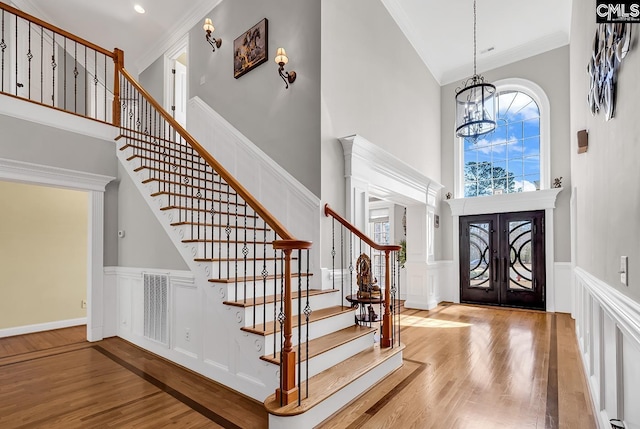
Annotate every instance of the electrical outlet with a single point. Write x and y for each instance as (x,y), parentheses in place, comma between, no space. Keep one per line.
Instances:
(187,334)
(83,303)
(624,269)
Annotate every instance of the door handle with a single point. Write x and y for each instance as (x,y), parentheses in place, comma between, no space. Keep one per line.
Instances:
(506,270)
(496,269)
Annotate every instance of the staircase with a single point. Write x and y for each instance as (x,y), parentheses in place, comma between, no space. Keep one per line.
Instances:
(270,324)
(231,243)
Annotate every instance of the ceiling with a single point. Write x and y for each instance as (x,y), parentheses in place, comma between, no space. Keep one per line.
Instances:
(115,24)
(440,31)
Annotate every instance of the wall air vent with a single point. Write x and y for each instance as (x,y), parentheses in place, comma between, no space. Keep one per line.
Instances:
(156,307)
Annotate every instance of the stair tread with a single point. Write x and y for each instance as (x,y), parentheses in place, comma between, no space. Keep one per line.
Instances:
(332,380)
(150,147)
(325,343)
(258,277)
(218,225)
(316,315)
(272,298)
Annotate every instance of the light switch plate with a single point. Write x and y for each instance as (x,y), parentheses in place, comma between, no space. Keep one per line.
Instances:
(624,266)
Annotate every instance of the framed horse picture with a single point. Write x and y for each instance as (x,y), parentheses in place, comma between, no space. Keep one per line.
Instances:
(250,48)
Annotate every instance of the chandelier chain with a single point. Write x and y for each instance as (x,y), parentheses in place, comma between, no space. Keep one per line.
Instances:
(474,38)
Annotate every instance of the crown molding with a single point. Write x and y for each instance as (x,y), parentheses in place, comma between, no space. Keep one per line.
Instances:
(518,53)
(175,33)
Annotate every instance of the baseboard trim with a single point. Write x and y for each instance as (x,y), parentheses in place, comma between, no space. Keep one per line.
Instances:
(41,327)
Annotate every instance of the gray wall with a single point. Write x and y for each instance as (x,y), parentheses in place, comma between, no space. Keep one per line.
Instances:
(30,142)
(152,80)
(551,72)
(284,123)
(145,244)
(607,176)
(373,84)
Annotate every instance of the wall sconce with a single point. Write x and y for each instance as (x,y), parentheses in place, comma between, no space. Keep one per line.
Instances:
(208,27)
(281,60)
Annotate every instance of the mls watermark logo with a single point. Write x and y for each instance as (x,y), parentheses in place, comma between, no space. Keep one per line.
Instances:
(608,11)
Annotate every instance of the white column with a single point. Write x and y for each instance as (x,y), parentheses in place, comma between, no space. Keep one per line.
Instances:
(417,290)
(95,267)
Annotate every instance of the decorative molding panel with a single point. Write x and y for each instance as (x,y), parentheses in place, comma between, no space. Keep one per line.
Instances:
(384,172)
(27,172)
(608,332)
(515,202)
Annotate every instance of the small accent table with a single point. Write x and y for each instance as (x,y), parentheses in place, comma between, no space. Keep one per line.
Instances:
(367,313)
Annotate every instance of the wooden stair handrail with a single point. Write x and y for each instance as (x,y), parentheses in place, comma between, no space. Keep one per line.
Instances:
(218,168)
(386,334)
(328,211)
(55,29)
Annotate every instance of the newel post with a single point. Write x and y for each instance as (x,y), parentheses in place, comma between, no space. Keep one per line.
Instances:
(118,62)
(288,390)
(385,340)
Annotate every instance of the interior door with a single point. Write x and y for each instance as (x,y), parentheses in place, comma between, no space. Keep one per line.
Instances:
(180,93)
(502,259)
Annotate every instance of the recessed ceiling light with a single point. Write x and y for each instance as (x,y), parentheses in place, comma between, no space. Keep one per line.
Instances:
(139,8)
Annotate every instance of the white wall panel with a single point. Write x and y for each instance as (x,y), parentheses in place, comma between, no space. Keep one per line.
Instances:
(631,389)
(608,331)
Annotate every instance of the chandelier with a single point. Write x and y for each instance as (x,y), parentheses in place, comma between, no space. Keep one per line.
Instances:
(475,102)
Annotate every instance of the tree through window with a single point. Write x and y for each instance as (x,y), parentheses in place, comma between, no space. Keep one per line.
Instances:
(506,160)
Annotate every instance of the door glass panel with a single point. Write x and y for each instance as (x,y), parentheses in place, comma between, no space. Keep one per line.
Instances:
(479,255)
(520,256)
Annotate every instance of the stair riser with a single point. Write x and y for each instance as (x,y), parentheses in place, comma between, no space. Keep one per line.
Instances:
(262,288)
(317,329)
(326,360)
(339,399)
(315,302)
(197,232)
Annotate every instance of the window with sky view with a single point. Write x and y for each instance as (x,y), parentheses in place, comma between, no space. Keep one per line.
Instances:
(506,160)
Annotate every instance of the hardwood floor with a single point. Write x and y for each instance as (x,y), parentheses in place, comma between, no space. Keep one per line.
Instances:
(464,367)
(479,367)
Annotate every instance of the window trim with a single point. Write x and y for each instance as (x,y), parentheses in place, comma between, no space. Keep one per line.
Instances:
(538,95)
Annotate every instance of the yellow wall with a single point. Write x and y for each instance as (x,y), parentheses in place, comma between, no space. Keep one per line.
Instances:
(43,254)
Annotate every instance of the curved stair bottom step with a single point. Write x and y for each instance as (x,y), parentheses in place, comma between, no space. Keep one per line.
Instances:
(334,389)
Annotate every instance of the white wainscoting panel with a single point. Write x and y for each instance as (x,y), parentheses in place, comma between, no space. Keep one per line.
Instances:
(204,334)
(280,193)
(428,284)
(608,331)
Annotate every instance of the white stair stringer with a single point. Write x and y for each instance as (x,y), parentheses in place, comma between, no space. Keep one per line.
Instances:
(227,355)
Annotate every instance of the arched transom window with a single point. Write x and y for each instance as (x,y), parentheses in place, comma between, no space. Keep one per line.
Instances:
(506,160)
